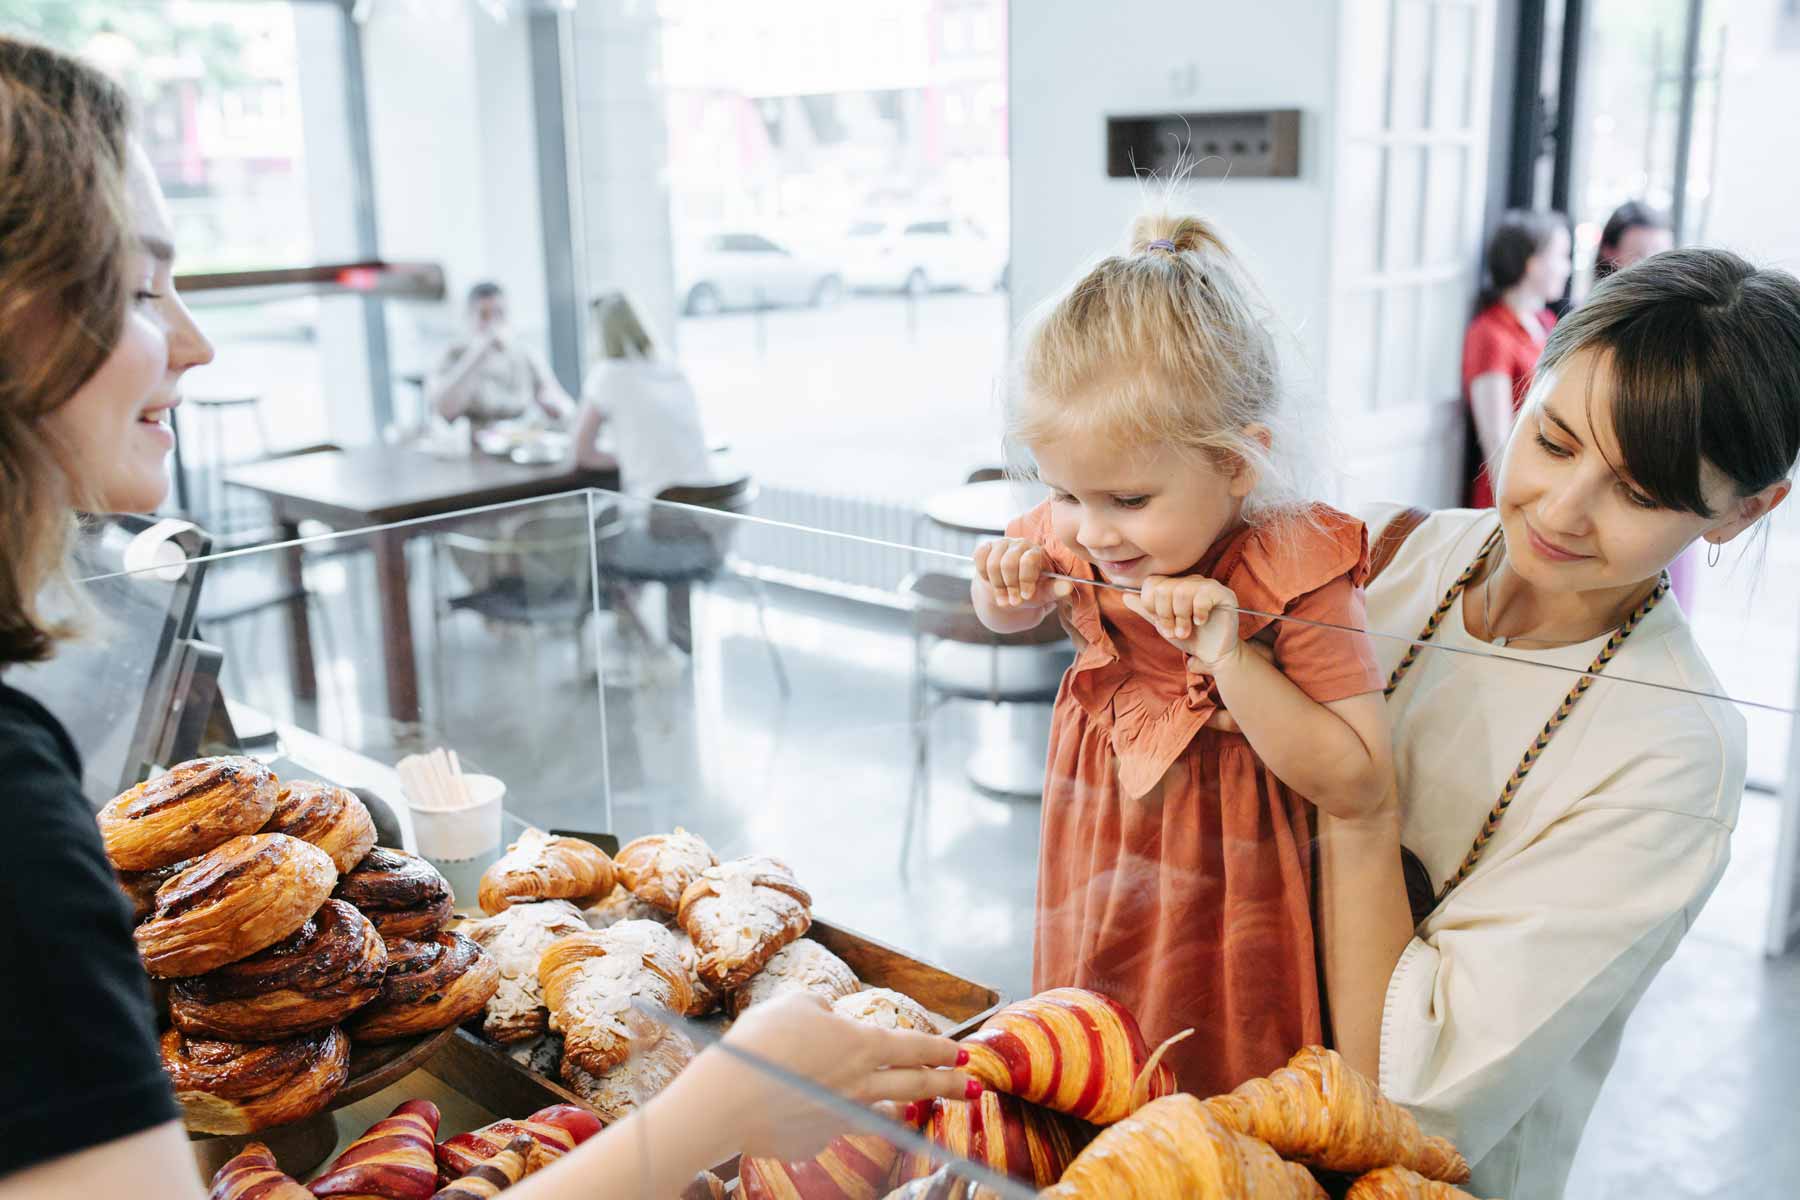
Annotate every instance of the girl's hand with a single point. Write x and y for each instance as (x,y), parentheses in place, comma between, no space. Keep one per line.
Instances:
(799,1032)
(1193,612)
(1011,569)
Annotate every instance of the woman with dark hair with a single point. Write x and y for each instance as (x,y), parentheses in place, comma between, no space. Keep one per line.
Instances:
(94,343)
(1633,233)
(1666,413)
(1527,268)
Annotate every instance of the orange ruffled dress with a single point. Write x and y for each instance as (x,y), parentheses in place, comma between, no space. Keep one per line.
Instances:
(1175,872)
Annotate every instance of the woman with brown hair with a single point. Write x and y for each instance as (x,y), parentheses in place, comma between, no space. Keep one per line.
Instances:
(94,343)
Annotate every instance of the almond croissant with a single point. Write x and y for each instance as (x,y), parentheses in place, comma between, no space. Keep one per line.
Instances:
(1398,1183)
(591,980)
(1075,1051)
(1175,1149)
(1320,1111)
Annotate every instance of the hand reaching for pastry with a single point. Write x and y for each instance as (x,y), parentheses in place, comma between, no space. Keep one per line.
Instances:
(799,1033)
(1195,613)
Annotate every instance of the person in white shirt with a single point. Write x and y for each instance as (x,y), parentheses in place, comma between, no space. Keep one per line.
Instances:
(647,402)
(1666,411)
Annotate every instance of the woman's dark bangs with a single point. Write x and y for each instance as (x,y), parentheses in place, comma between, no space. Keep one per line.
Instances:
(1657,400)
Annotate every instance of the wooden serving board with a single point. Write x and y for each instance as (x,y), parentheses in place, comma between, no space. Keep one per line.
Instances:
(485,1073)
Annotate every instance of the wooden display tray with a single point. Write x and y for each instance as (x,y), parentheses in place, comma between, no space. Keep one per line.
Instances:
(484,1072)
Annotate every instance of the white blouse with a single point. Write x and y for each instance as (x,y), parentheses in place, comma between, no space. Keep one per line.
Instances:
(1505,1011)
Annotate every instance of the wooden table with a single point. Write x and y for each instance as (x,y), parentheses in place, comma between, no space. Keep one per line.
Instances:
(374,488)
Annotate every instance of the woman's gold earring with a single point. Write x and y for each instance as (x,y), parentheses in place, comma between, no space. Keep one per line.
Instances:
(1712,553)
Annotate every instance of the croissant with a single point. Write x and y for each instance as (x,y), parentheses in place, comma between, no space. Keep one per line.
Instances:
(658,869)
(329,817)
(1398,1183)
(1072,1050)
(552,1132)
(1320,1111)
(392,1160)
(591,979)
(1016,1138)
(187,811)
(621,1091)
(253,1175)
(803,965)
(621,905)
(739,914)
(540,866)
(886,1008)
(516,939)
(1176,1149)
(491,1176)
(942,1184)
(243,1087)
(853,1167)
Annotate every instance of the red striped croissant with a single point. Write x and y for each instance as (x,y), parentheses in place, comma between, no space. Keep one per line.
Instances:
(253,1175)
(853,1167)
(392,1161)
(1013,1137)
(554,1132)
(492,1176)
(1075,1051)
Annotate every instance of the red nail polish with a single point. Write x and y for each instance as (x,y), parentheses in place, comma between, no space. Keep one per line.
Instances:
(962,1057)
(974,1090)
(912,1112)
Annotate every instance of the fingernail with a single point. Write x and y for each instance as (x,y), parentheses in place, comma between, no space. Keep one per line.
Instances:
(912,1112)
(974,1090)
(962,1056)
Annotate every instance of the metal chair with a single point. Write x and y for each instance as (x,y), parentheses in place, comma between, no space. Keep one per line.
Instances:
(956,657)
(679,548)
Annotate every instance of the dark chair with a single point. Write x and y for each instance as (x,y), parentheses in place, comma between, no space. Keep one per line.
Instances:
(680,543)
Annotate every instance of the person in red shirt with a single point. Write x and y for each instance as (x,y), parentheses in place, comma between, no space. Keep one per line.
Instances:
(1527,268)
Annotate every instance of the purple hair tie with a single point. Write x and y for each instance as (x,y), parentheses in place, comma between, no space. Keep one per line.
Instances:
(1161,244)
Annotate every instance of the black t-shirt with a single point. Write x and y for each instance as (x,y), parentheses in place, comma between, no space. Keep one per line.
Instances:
(75,1006)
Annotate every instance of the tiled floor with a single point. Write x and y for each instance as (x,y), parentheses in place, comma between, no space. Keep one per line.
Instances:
(1702,1103)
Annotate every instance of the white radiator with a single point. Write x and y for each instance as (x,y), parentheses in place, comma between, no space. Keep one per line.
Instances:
(814,559)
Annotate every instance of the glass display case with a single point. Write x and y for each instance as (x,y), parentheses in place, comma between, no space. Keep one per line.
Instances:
(628,669)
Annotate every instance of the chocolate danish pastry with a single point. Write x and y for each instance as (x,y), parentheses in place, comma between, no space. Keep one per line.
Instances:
(403,894)
(187,811)
(140,887)
(326,970)
(329,817)
(429,985)
(236,1087)
(233,901)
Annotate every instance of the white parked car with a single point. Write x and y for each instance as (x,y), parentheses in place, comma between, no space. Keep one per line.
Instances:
(748,270)
(917,257)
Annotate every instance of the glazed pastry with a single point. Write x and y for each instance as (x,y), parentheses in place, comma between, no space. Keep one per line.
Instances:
(329,817)
(1032,1144)
(429,985)
(706,1000)
(553,1131)
(327,969)
(233,901)
(187,811)
(1072,1050)
(590,981)
(739,914)
(886,1008)
(617,1093)
(140,887)
(705,1186)
(242,1087)
(658,869)
(1176,1149)
(541,866)
(1320,1111)
(393,1160)
(516,939)
(491,1176)
(403,894)
(855,1166)
(621,905)
(253,1175)
(1398,1183)
(800,966)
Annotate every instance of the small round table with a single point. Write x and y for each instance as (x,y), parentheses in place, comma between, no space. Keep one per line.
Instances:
(983,508)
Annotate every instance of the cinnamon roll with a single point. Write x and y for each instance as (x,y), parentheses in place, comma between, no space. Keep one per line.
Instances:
(429,985)
(187,811)
(327,969)
(233,901)
(237,1087)
(403,894)
(329,817)
(140,887)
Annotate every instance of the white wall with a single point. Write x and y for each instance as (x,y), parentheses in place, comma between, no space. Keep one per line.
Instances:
(1759,140)
(1076,61)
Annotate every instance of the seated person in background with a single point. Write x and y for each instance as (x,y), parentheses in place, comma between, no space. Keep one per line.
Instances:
(646,401)
(1633,233)
(492,376)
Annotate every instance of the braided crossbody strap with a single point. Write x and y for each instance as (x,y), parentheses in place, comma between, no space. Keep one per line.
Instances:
(1536,750)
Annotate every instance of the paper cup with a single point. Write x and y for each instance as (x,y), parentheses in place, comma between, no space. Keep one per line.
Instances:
(460,834)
